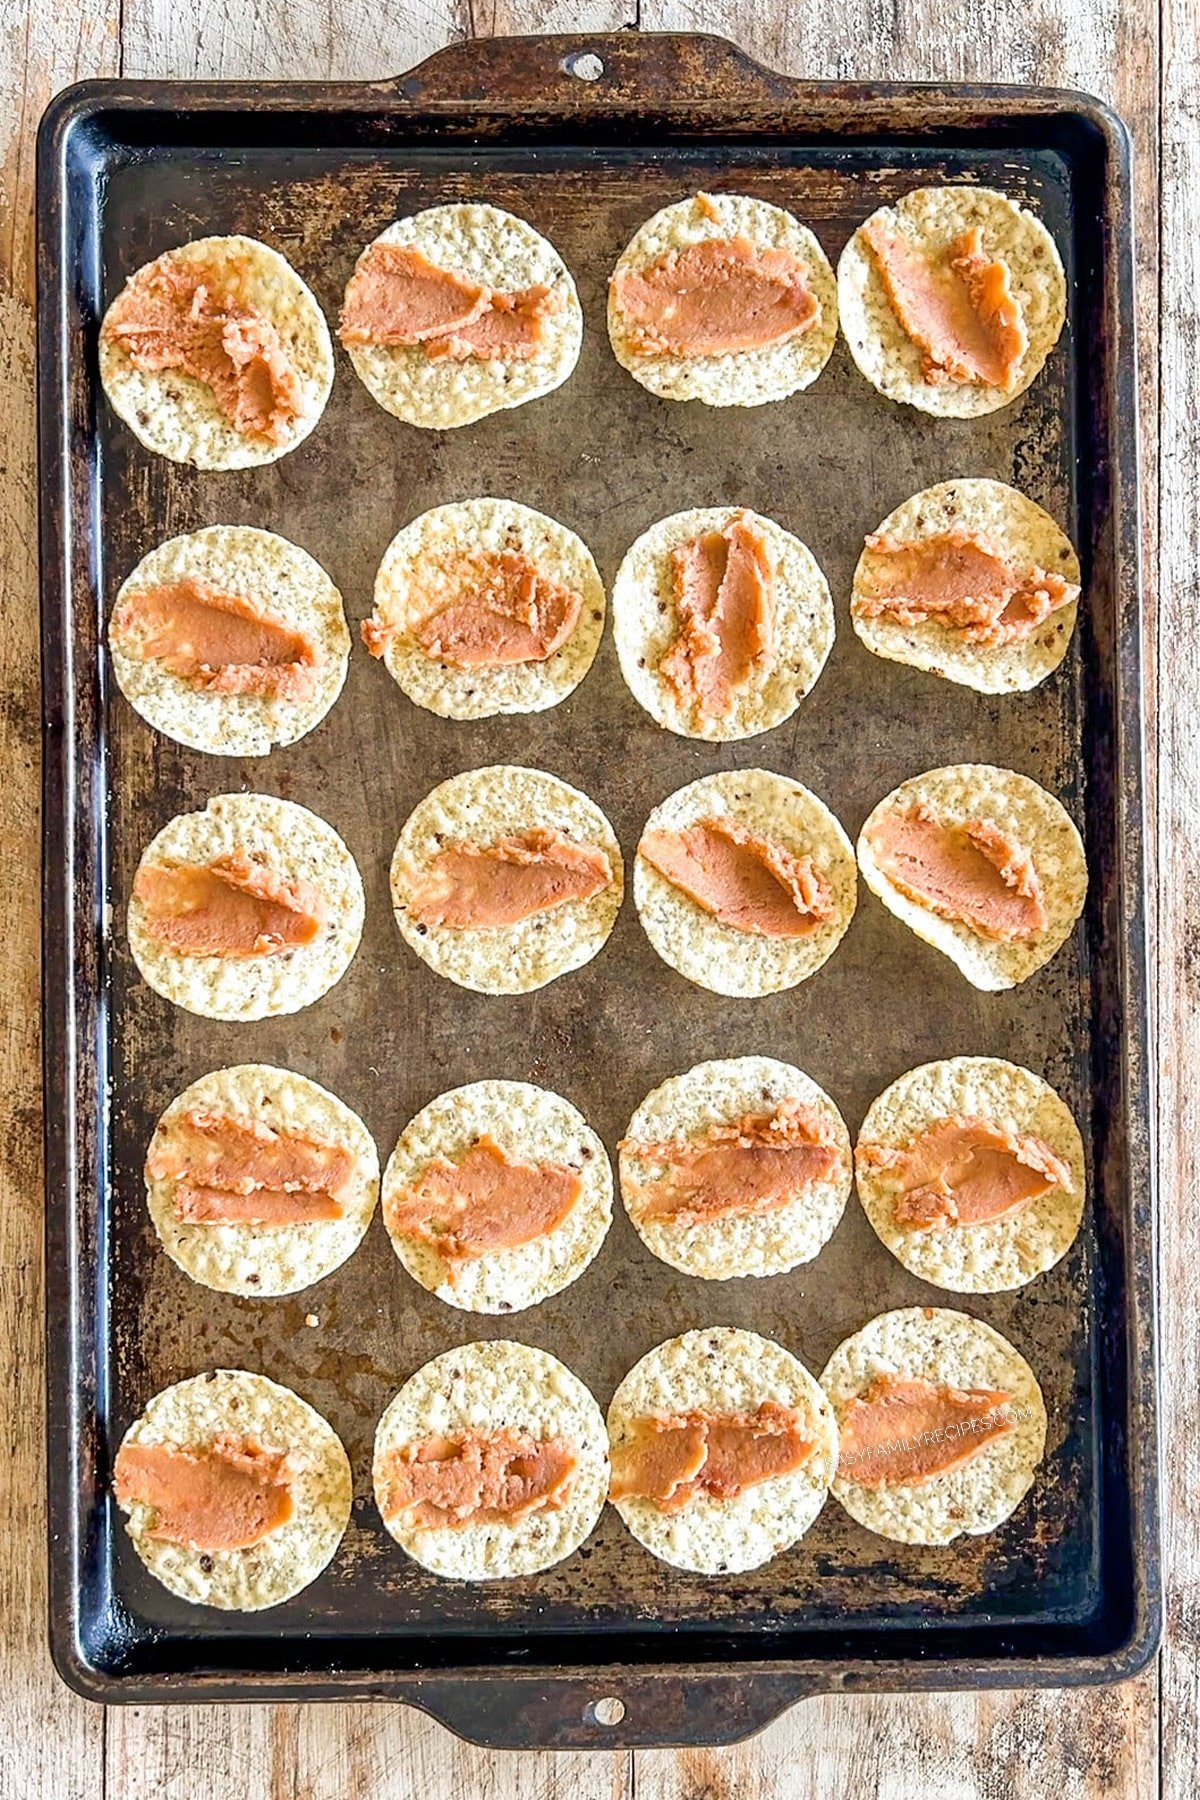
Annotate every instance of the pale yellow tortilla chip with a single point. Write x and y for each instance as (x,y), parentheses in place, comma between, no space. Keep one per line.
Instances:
(1035,820)
(531,1124)
(487,245)
(480,806)
(1004,1253)
(699,946)
(190,1415)
(411,567)
(496,1385)
(265,569)
(263,1260)
(1022,531)
(297,845)
(720,1370)
(950,1349)
(716,1093)
(645,626)
(934,217)
(178,416)
(740,377)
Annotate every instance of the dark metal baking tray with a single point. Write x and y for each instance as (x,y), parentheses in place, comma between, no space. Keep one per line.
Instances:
(1067,1590)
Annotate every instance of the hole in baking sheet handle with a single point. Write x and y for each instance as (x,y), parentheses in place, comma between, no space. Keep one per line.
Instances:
(586,66)
(608,1711)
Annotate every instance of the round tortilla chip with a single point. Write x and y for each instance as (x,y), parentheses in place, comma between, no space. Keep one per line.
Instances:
(533,1124)
(720,1370)
(191,1414)
(464,528)
(260,567)
(1004,1253)
(740,377)
(481,806)
(716,956)
(177,416)
(952,1349)
(933,217)
(645,623)
(261,1260)
(298,846)
(1022,531)
(483,244)
(1035,819)
(716,1093)
(498,1385)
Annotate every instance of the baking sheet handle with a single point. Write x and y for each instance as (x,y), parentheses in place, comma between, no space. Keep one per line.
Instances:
(654,71)
(614,1709)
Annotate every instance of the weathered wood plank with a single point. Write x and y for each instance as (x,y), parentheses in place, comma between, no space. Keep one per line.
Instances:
(278,40)
(50,1742)
(331,1753)
(940,1748)
(1179,894)
(496,18)
(167,1752)
(394,1753)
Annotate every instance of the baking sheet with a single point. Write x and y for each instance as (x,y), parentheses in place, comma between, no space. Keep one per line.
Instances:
(607,459)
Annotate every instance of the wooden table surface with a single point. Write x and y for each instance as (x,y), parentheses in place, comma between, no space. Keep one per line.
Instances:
(1138,1739)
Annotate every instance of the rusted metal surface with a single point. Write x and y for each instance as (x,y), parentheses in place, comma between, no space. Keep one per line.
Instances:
(1067,1589)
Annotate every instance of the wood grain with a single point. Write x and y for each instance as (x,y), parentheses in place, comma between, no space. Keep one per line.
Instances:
(1179,893)
(1103,1743)
(993,1745)
(495,18)
(332,1753)
(278,40)
(50,1742)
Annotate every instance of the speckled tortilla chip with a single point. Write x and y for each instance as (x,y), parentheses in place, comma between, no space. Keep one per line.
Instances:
(743,377)
(1003,1253)
(645,625)
(529,1123)
(464,528)
(178,416)
(491,1386)
(299,846)
(266,570)
(933,217)
(954,1350)
(483,805)
(720,1370)
(715,1093)
(1035,819)
(263,1260)
(717,956)
(1024,533)
(191,1414)
(487,245)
